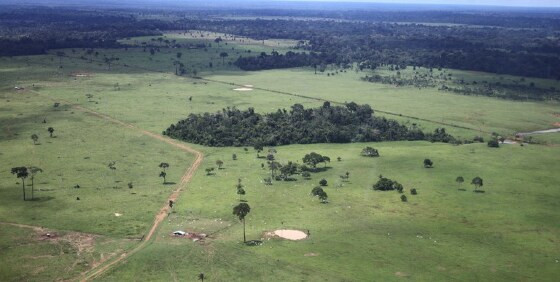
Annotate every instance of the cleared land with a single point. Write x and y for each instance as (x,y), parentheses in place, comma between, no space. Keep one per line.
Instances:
(509,232)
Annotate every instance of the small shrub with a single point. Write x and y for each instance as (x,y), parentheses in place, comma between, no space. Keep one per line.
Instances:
(323,182)
(428,163)
(397,186)
(493,143)
(403,198)
(413,191)
(130,185)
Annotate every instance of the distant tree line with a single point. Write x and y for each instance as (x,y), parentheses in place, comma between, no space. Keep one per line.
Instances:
(326,124)
(371,44)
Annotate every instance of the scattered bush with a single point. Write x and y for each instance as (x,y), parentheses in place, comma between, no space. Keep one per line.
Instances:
(386,184)
(323,182)
(370,152)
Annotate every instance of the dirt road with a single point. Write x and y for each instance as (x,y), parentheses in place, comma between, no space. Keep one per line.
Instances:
(163,212)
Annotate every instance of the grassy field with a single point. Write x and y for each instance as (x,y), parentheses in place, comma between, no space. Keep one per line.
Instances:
(510,232)
(28,254)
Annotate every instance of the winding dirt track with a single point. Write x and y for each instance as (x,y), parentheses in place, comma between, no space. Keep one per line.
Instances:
(164,211)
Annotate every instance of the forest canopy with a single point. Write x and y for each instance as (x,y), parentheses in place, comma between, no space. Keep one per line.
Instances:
(326,124)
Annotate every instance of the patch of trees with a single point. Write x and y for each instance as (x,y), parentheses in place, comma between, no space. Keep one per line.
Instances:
(326,124)
(280,61)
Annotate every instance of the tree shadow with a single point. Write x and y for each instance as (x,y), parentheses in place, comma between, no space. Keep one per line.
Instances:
(479,191)
(169,183)
(462,189)
(320,169)
(41,199)
(253,243)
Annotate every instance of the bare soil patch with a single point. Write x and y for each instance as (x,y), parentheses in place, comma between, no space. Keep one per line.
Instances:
(288,234)
(81,74)
(401,274)
(193,236)
(243,89)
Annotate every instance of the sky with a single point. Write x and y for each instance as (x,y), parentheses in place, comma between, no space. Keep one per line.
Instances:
(277,3)
(522,3)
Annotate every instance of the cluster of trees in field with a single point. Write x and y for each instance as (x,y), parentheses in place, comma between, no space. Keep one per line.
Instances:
(325,124)
(512,89)
(280,61)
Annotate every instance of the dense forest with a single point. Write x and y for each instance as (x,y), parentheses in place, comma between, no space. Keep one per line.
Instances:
(497,41)
(532,53)
(326,124)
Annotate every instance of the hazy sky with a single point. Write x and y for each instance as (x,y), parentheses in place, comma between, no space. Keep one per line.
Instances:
(528,3)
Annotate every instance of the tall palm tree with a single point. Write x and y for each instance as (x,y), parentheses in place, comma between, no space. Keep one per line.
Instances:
(241,211)
(33,170)
(21,172)
(50,130)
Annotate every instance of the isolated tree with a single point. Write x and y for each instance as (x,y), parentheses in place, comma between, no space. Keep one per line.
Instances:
(428,163)
(223,55)
(240,190)
(477,182)
(234,157)
(219,163)
(459,180)
(323,182)
(51,131)
(241,211)
(323,197)
(163,174)
(273,166)
(313,159)
(22,173)
(60,54)
(34,137)
(201,277)
(164,166)
(320,193)
(403,198)
(33,170)
(209,170)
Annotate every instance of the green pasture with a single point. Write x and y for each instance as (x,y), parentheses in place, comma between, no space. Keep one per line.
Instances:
(79,154)
(509,232)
